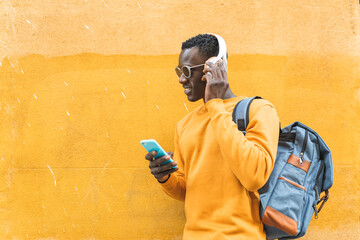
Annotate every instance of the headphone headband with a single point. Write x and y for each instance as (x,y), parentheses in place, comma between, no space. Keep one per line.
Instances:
(222,50)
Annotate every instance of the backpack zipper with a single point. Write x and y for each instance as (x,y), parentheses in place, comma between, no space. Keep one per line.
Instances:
(303,148)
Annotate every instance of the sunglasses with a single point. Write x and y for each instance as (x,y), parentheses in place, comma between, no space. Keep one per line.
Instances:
(186,70)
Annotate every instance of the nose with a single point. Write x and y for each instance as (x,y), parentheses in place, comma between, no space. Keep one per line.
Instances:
(183,79)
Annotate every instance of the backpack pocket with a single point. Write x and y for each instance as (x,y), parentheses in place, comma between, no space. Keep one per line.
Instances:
(298,164)
(295,169)
(285,208)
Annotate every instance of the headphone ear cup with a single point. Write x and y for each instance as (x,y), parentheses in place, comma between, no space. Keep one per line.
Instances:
(213,60)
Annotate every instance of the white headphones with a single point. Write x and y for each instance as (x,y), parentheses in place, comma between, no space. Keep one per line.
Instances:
(222,51)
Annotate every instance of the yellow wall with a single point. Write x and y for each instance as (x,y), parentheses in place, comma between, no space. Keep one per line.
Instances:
(82,82)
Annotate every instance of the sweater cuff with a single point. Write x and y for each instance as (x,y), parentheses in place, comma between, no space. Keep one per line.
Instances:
(166,179)
(168,183)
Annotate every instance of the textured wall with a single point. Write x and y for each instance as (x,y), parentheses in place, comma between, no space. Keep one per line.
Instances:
(82,82)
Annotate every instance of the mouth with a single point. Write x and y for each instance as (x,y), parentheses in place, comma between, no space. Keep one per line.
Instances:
(187,90)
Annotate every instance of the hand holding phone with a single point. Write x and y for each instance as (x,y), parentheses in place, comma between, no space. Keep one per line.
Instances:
(161,164)
(151,145)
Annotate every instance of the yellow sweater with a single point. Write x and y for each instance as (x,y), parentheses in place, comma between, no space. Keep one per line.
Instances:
(220,169)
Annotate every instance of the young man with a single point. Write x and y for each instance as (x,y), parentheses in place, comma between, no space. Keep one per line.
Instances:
(217,170)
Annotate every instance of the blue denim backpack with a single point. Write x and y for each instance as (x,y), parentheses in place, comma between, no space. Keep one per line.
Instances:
(303,169)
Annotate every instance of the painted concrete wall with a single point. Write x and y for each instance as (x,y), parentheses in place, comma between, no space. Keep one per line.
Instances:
(82,82)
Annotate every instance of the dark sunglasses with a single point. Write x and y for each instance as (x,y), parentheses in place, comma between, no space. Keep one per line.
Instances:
(186,70)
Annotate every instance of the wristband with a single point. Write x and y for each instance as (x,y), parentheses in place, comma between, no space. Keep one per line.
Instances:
(165,180)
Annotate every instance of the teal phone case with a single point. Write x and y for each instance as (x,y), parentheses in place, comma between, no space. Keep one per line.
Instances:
(152,145)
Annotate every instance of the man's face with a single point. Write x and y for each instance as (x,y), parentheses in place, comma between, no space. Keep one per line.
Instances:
(194,87)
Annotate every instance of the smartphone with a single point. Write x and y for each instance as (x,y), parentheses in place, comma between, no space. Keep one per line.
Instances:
(152,145)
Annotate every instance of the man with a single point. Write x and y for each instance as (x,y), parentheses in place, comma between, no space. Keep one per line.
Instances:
(217,170)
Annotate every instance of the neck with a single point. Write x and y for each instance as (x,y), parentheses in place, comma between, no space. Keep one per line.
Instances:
(229,94)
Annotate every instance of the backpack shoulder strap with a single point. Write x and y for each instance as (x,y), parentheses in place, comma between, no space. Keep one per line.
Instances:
(241,113)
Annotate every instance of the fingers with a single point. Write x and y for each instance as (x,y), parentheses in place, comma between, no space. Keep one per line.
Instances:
(160,171)
(203,78)
(170,154)
(209,72)
(214,71)
(157,168)
(222,71)
(165,173)
(150,155)
(157,162)
(208,69)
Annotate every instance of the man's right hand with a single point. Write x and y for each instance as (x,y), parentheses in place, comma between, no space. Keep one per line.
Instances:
(161,172)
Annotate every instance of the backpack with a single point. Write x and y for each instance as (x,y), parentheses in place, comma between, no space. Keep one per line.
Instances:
(303,169)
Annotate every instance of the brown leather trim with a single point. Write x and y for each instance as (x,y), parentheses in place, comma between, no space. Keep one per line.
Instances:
(293,183)
(280,221)
(295,160)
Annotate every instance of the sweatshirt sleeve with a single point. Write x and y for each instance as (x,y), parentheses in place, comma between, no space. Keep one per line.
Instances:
(175,186)
(251,157)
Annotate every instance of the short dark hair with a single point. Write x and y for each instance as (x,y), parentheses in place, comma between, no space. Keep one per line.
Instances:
(207,44)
